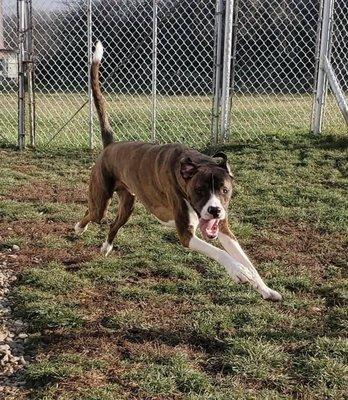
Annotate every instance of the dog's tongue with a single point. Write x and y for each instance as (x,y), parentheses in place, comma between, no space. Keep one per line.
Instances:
(209,227)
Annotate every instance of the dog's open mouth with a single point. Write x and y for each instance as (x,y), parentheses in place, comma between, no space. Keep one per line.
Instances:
(209,227)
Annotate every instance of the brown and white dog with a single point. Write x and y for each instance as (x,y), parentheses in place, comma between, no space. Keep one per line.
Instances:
(181,187)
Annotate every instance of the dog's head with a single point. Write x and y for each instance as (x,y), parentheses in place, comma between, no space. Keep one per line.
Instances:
(209,190)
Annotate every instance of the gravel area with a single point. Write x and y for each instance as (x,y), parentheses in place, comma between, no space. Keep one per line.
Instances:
(12,341)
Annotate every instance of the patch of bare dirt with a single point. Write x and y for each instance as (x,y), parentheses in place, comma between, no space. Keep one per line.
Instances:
(157,350)
(299,245)
(46,191)
(32,230)
(30,253)
(25,168)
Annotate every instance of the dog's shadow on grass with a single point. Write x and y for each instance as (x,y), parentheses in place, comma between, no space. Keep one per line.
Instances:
(170,237)
(163,335)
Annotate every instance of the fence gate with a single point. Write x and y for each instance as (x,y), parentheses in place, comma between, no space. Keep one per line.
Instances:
(193,71)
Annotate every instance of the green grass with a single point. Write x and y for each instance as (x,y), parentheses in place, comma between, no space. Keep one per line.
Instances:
(60,367)
(156,321)
(179,118)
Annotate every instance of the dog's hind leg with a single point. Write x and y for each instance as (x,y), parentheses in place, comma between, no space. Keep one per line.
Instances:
(95,213)
(81,226)
(100,193)
(125,209)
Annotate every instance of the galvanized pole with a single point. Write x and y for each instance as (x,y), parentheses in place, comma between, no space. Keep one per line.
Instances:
(234,56)
(154,69)
(336,89)
(2,43)
(324,51)
(21,73)
(316,58)
(217,71)
(90,55)
(30,72)
(225,94)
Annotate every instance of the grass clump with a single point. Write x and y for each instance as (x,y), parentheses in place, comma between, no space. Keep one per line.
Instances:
(10,241)
(323,364)
(125,320)
(42,310)
(170,376)
(253,359)
(53,278)
(61,367)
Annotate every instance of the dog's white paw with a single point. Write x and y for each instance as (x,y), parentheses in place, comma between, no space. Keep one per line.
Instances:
(272,295)
(106,248)
(79,230)
(242,275)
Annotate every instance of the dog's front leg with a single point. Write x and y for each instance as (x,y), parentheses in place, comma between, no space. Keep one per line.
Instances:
(236,270)
(186,223)
(231,245)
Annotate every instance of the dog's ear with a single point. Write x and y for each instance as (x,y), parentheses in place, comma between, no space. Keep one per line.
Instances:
(187,167)
(223,162)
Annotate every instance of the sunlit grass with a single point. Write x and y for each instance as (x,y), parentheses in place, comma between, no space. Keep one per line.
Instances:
(184,119)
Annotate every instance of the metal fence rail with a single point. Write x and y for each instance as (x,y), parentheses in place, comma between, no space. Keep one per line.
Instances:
(174,70)
(333,120)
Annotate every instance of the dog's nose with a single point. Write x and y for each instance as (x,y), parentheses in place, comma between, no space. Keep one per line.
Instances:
(214,211)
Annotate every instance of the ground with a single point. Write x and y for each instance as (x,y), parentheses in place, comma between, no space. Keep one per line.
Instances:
(156,321)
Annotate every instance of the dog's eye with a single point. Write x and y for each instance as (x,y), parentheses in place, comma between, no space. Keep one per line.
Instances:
(199,190)
(225,190)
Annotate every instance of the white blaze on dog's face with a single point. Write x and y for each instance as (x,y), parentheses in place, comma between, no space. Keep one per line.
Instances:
(209,190)
(213,208)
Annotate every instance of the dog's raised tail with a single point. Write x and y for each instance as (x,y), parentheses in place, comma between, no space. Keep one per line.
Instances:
(99,101)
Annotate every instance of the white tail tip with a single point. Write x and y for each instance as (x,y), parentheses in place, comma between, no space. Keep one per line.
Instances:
(98,52)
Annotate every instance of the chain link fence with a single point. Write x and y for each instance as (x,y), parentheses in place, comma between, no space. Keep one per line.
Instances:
(274,71)
(184,69)
(8,84)
(61,68)
(273,58)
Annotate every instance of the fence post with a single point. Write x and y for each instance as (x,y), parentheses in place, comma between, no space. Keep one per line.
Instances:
(21,6)
(90,55)
(2,43)
(217,71)
(226,71)
(320,90)
(30,73)
(154,69)
(233,57)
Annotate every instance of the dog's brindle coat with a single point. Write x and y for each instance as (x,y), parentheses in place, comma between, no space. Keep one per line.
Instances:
(181,187)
